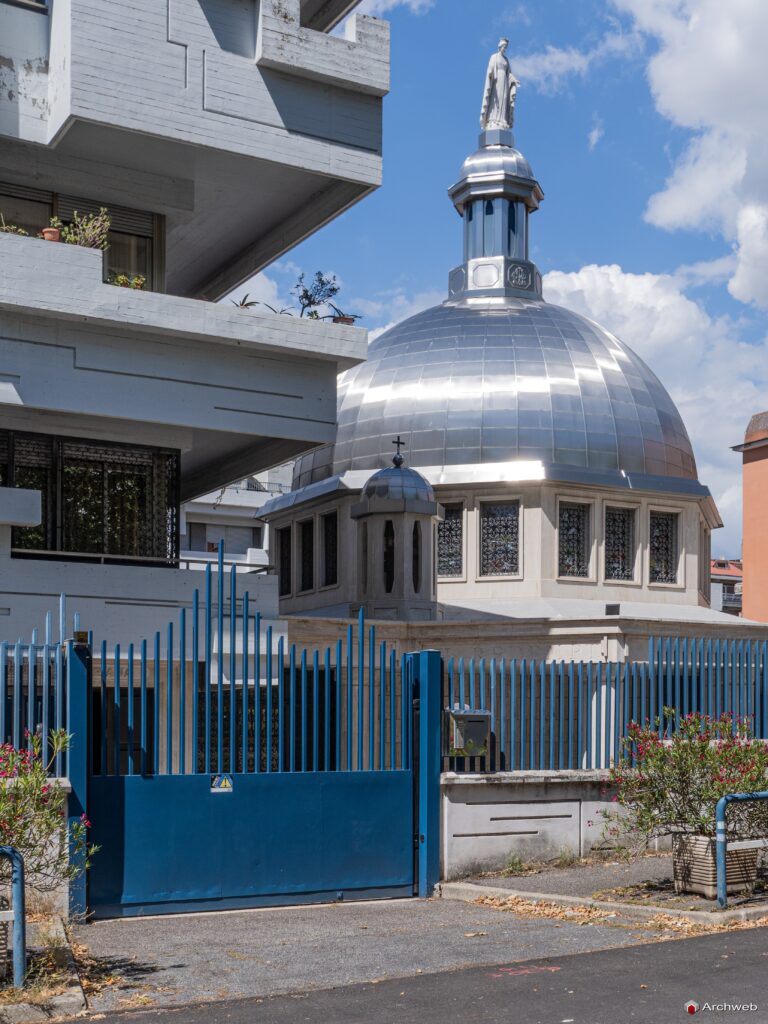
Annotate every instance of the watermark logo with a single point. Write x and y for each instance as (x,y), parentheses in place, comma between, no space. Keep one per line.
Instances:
(692,1007)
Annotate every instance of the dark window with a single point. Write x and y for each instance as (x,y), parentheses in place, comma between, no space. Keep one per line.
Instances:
(663,554)
(450,542)
(307,548)
(130,255)
(389,556)
(574,542)
(98,499)
(284,560)
(619,543)
(416,557)
(32,215)
(196,537)
(500,539)
(330,549)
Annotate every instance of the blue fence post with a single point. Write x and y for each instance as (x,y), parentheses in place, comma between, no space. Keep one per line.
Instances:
(78,726)
(19,914)
(426,672)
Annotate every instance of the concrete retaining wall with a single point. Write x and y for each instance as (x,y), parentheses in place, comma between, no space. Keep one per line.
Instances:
(486,819)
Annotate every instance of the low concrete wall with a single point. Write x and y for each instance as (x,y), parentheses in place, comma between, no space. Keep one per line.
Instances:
(486,819)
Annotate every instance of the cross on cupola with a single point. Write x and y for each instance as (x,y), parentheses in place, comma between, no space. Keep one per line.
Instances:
(398,459)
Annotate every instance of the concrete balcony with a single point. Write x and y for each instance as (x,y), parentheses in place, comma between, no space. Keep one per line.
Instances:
(238,121)
(235,390)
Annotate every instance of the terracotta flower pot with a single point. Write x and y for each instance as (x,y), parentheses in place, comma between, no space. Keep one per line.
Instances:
(51,234)
(694,868)
(344,320)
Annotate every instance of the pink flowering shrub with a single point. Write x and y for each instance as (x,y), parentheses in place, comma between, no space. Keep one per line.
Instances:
(669,785)
(33,814)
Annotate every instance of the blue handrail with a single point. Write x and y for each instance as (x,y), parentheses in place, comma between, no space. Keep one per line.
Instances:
(19,916)
(722,839)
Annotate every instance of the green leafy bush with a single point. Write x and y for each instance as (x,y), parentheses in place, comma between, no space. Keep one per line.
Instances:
(33,815)
(670,785)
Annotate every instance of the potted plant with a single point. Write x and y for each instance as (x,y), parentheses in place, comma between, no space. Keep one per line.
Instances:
(88,229)
(339,317)
(51,234)
(668,784)
(135,281)
(318,293)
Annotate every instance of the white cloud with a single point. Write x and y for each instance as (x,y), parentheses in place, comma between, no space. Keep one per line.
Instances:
(261,288)
(708,76)
(750,282)
(549,70)
(596,133)
(394,307)
(715,377)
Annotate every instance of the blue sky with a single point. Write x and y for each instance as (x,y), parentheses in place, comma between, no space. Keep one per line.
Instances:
(644,121)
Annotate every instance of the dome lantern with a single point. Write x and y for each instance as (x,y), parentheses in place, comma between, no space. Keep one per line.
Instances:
(494,196)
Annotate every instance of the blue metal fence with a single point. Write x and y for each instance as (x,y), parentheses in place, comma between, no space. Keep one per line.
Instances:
(260,706)
(562,715)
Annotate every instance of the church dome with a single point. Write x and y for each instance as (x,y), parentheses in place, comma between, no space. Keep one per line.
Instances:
(471,384)
(397,483)
(496,383)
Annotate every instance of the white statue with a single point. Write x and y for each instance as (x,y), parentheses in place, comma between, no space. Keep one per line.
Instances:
(500,91)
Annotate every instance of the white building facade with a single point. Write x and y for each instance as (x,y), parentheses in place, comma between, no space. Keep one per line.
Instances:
(217,135)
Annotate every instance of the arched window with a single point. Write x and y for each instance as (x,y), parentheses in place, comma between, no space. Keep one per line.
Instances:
(389,556)
(364,557)
(416,557)
(488,223)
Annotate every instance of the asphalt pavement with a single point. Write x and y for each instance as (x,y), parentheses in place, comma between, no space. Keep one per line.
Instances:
(191,958)
(642,984)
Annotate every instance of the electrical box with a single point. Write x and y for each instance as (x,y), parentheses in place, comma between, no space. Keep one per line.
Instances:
(469,732)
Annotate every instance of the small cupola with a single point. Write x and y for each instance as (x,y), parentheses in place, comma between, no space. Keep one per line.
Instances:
(397,519)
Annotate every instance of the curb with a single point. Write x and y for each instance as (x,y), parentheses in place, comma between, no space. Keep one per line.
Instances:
(470,891)
(66,1004)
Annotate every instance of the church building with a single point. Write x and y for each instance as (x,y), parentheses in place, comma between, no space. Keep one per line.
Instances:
(547,472)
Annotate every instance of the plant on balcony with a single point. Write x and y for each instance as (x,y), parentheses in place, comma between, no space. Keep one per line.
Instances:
(244,303)
(33,814)
(11,229)
(136,281)
(314,295)
(339,317)
(89,229)
(669,785)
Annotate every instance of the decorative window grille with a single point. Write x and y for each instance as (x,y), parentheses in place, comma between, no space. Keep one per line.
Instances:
(619,543)
(330,549)
(307,542)
(99,500)
(500,539)
(450,542)
(285,561)
(663,547)
(574,540)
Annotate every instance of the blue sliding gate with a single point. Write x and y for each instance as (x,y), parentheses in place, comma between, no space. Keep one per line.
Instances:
(257,775)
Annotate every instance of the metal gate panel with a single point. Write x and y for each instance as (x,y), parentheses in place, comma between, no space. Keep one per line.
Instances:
(171,844)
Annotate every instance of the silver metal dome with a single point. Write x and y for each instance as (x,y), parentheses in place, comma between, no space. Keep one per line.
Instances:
(398,484)
(496,161)
(470,384)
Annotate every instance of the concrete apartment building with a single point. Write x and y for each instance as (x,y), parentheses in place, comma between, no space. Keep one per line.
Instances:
(218,134)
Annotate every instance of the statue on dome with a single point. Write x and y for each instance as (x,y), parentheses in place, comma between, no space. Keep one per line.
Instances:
(498,109)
